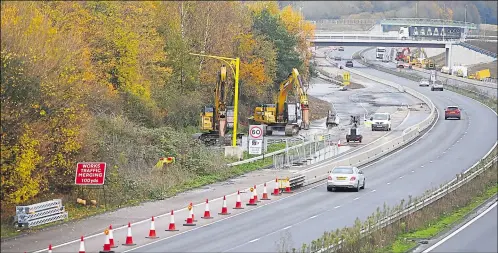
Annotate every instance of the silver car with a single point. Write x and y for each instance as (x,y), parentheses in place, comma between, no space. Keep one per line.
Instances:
(424,82)
(346,177)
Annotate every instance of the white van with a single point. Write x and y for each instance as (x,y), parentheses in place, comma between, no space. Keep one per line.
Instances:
(381,120)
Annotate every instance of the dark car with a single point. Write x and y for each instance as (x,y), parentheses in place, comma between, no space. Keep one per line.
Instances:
(349,64)
(337,58)
(341,48)
(452,112)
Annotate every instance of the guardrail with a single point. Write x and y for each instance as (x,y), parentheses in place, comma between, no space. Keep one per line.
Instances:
(41,213)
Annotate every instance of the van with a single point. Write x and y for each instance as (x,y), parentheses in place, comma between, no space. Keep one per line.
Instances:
(381,120)
(437,85)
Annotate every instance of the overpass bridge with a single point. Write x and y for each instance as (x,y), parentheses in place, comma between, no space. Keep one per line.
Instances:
(384,41)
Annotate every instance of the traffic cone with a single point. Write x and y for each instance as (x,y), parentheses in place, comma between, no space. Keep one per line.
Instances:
(339,143)
(50,248)
(111,237)
(152,231)
(265,194)
(107,244)
(252,202)
(190,219)
(129,237)
(172,226)
(288,187)
(224,209)
(207,213)
(192,213)
(82,246)
(256,195)
(276,190)
(238,204)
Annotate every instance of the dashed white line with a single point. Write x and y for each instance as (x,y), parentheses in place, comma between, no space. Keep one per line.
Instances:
(413,171)
(312,217)
(356,198)
(373,190)
(421,166)
(401,177)
(257,239)
(286,228)
(389,183)
(337,207)
(430,161)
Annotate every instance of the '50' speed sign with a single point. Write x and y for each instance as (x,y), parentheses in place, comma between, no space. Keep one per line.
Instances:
(256,132)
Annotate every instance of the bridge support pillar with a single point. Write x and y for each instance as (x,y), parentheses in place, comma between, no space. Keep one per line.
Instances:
(448,52)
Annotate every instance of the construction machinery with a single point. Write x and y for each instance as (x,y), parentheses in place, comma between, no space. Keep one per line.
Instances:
(481,75)
(401,56)
(354,132)
(216,120)
(284,116)
(332,120)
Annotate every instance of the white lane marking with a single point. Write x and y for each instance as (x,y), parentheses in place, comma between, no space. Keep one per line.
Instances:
(460,229)
(286,227)
(401,177)
(444,152)
(356,198)
(413,171)
(312,217)
(421,166)
(255,240)
(430,161)
(389,183)
(229,217)
(337,207)
(373,190)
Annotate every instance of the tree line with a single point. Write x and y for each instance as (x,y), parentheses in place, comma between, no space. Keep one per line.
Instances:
(114,82)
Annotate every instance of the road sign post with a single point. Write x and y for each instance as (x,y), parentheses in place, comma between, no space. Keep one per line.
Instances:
(91,173)
(346,78)
(255,139)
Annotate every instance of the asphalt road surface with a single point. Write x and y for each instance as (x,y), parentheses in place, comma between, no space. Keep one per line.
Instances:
(450,147)
(478,236)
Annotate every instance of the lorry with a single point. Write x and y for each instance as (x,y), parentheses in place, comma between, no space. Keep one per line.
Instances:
(354,132)
(282,115)
(460,71)
(481,75)
(332,120)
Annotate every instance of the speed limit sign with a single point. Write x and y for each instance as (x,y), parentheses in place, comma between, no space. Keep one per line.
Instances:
(255,132)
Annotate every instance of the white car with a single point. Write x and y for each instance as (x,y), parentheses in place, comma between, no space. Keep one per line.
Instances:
(381,120)
(437,85)
(346,177)
(424,82)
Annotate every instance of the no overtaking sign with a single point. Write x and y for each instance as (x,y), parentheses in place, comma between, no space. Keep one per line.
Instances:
(255,132)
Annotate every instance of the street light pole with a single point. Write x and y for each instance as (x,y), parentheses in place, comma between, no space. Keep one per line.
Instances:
(230,62)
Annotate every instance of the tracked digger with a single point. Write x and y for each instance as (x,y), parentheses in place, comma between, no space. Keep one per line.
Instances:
(285,116)
(217,120)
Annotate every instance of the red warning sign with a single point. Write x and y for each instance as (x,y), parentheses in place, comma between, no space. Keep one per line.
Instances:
(90,173)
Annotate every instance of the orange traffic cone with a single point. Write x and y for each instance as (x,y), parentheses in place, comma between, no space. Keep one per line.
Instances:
(224,209)
(50,248)
(238,204)
(129,237)
(111,237)
(152,231)
(82,246)
(339,143)
(256,195)
(190,219)
(107,243)
(276,190)
(288,187)
(265,194)
(207,213)
(172,226)
(252,202)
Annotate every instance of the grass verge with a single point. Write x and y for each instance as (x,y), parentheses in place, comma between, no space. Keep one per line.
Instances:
(407,241)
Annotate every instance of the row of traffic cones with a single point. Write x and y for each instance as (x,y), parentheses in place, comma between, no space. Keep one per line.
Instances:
(109,239)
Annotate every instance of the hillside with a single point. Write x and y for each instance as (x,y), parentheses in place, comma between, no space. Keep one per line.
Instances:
(477,11)
(114,82)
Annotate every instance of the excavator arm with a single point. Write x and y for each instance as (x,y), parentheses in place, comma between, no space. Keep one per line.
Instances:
(293,81)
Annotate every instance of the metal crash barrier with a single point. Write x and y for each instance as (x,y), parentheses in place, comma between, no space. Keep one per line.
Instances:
(41,213)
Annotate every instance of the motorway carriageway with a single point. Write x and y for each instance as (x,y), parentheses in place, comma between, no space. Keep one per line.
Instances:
(450,147)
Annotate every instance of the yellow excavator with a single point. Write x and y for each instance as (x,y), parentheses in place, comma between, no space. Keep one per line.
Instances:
(218,119)
(289,117)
